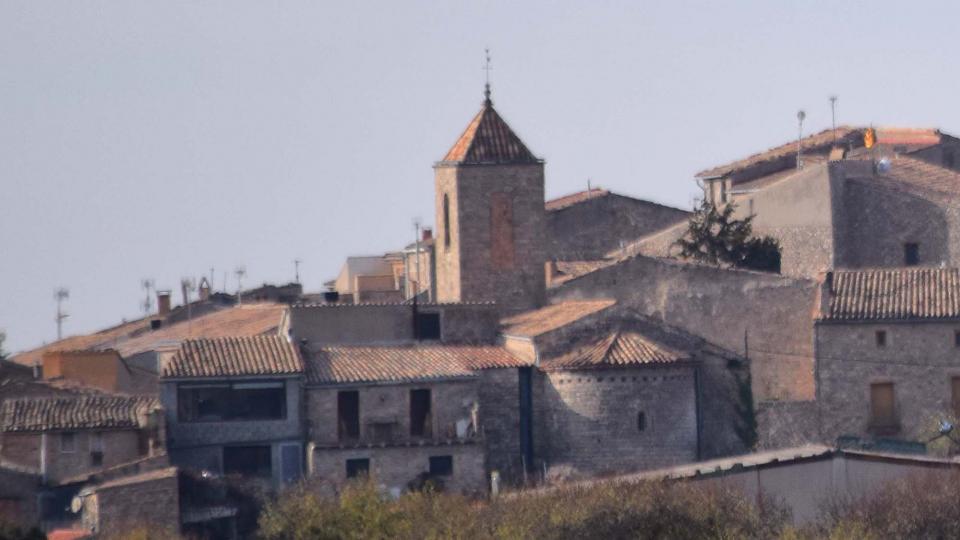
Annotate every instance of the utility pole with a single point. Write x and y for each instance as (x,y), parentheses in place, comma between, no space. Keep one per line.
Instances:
(60,294)
(800,117)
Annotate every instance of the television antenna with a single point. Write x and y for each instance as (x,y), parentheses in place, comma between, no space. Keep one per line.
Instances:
(296,270)
(60,294)
(240,272)
(147,305)
(833,117)
(800,117)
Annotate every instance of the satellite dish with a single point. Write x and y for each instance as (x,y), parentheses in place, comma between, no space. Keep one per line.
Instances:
(883,166)
(945,427)
(76,504)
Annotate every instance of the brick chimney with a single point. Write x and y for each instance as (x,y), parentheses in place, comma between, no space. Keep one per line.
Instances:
(427,234)
(163,303)
(204,289)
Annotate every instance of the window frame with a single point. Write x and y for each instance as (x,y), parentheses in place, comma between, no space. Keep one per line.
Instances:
(63,442)
(228,404)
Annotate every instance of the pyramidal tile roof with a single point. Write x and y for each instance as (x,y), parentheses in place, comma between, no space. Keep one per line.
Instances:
(619,348)
(489,140)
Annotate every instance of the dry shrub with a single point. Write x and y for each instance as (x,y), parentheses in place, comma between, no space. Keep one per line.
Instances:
(639,510)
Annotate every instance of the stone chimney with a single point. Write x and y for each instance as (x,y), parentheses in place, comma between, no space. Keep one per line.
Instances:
(163,303)
(204,289)
(826,295)
(427,234)
(550,272)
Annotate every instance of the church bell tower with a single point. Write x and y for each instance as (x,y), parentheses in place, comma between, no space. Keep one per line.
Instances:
(490,217)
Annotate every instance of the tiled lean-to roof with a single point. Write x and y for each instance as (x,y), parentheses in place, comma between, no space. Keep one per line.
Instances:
(892,294)
(552,317)
(75,412)
(349,364)
(488,139)
(616,349)
(234,357)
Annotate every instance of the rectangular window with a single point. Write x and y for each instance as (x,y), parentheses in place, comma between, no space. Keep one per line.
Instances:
(882,405)
(291,467)
(247,461)
(420,420)
(441,465)
(881,338)
(68,442)
(227,402)
(96,442)
(501,230)
(911,254)
(357,468)
(956,338)
(641,421)
(428,326)
(348,415)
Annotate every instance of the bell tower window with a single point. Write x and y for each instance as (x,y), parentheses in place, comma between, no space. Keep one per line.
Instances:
(446,220)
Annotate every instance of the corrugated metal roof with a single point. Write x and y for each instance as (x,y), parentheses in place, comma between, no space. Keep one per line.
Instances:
(235,356)
(894,294)
(619,348)
(488,139)
(404,363)
(75,412)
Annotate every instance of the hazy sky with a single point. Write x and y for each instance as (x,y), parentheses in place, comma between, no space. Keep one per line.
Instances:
(160,139)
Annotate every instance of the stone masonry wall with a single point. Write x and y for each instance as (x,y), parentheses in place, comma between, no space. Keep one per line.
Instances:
(451,400)
(18,497)
(591,229)
(499,393)
(466,270)
(119,446)
(394,467)
(721,306)
(153,504)
(920,359)
(589,419)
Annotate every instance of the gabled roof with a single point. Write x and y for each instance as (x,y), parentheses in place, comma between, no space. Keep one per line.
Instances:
(549,318)
(235,357)
(616,349)
(846,136)
(489,140)
(567,201)
(332,365)
(892,294)
(75,412)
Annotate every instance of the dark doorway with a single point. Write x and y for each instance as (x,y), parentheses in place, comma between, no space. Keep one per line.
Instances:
(420,421)
(348,415)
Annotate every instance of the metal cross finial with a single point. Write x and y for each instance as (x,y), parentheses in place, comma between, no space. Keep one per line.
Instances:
(487,67)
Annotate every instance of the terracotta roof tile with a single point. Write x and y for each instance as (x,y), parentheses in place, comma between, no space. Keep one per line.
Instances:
(894,294)
(914,138)
(404,363)
(488,139)
(912,173)
(235,356)
(567,270)
(617,349)
(575,198)
(549,318)
(75,412)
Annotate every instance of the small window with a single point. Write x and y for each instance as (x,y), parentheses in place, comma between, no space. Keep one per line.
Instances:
(441,465)
(96,442)
(882,408)
(420,422)
(68,442)
(446,220)
(641,421)
(428,326)
(357,468)
(911,254)
(956,338)
(348,415)
(881,337)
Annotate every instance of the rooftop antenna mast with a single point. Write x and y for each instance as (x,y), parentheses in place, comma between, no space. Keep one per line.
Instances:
(487,67)
(240,271)
(296,270)
(800,117)
(147,304)
(833,117)
(60,294)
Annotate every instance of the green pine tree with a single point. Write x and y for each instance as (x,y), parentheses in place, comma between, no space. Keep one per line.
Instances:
(714,236)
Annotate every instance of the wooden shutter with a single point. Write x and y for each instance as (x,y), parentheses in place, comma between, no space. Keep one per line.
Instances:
(882,404)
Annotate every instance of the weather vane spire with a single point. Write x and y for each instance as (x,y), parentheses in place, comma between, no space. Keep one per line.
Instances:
(487,67)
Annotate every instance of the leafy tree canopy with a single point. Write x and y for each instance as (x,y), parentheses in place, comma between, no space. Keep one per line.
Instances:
(714,236)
